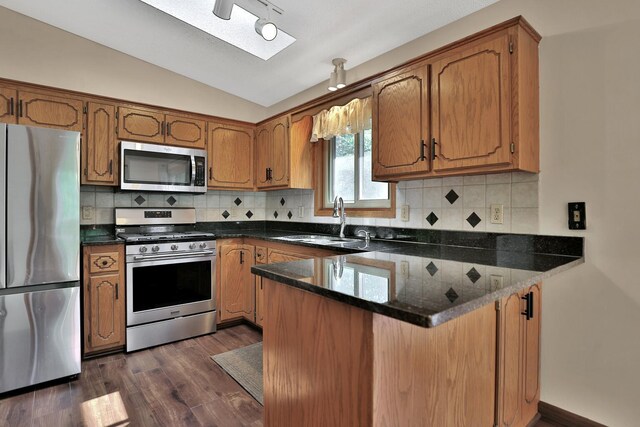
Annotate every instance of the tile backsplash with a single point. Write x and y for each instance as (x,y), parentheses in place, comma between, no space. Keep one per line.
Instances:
(452,203)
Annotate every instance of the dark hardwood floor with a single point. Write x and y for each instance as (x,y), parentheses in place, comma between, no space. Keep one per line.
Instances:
(172,385)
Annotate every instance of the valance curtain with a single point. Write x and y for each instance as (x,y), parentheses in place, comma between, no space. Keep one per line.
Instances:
(353,117)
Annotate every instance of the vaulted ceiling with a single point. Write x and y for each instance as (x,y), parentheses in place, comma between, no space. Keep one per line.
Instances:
(357,30)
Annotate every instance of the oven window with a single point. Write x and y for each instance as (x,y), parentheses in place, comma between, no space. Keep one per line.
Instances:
(167,285)
(156,168)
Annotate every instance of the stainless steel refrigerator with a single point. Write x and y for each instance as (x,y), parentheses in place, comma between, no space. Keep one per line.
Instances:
(39,255)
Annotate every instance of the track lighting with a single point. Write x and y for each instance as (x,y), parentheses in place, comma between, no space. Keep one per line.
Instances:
(222,9)
(266,29)
(338,77)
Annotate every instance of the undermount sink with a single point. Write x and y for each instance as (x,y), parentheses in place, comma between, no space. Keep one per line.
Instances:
(318,239)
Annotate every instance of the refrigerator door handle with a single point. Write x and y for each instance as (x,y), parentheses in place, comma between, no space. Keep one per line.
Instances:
(3,199)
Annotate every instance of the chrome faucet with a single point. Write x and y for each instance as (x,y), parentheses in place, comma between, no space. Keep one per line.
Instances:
(338,212)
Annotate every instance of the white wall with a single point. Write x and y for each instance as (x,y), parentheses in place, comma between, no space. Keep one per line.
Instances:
(590,146)
(35,52)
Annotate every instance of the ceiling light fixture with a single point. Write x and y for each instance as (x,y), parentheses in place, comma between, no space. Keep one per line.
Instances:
(222,9)
(338,77)
(264,26)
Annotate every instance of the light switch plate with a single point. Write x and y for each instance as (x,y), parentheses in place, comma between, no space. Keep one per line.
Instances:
(577,216)
(497,214)
(300,211)
(404,213)
(404,269)
(87,213)
(496,282)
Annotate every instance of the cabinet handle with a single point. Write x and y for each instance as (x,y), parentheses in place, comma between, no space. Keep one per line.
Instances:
(270,174)
(241,257)
(210,172)
(528,311)
(111,167)
(11,107)
(117,291)
(422,147)
(433,148)
(20,108)
(162,128)
(104,263)
(168,129)
(266,174)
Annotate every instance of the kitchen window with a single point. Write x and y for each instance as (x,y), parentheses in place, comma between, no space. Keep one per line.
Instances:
(348,173)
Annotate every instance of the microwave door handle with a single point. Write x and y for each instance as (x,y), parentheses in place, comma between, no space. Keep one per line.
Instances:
(193,170)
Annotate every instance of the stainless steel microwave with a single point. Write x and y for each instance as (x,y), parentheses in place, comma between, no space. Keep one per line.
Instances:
(152,167)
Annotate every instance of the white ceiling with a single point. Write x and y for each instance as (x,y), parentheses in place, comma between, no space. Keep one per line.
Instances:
(357,30)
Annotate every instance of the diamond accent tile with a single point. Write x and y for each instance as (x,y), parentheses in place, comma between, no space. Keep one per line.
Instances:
(226,214)
(452,196)
(289,214)
(171,200)
(432,218)
(249,214)
(432,269)
(139,200)
(473,219)
(473,275)
(237,201)
(275,214)
(282,202)
(451,295)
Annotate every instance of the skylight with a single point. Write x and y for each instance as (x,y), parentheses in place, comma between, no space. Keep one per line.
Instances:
(238,31)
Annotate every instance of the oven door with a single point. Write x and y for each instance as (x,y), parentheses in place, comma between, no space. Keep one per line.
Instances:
(167,287)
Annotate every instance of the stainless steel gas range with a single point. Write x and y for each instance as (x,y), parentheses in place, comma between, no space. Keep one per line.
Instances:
(170,276)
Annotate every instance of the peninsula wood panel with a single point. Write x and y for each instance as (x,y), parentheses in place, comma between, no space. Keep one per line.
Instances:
(317,368)
(301,153)
(510,361)
(8,100)
(442,376)
(100,145)
(531,356)
(236,282)
(262,156)
(39,109)
(401,124)
(185,131)
(230,156)
(471,106)
(140,124)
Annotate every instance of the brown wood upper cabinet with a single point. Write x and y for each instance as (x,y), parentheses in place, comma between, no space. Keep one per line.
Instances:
(481,98)
(146,125)
(237,285)
(40,109)
(400,126)
(230,155)
(99,148)
(104,298)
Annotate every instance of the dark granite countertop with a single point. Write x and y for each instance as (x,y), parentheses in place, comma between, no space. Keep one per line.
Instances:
(422,284)
(100,240)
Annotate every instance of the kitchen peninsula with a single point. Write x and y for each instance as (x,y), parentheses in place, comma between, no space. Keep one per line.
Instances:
(415,334)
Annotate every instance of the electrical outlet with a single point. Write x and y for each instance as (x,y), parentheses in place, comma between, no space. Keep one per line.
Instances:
(496,282)
(404,213)
(404,269)
(300,211)
(87,213)
(497,214)
(577,216)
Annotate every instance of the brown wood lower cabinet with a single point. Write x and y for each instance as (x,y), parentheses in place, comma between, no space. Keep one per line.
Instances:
(104,298)
(346,366)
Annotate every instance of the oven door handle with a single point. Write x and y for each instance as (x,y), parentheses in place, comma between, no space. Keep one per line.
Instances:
(175,256)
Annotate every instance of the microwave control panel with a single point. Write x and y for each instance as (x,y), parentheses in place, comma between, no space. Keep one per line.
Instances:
(200,172)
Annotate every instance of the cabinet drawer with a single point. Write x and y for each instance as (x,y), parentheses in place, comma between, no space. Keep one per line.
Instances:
(104,262)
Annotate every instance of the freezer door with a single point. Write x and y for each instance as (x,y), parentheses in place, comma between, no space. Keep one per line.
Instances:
(3,198)
(39,337)
(43,206)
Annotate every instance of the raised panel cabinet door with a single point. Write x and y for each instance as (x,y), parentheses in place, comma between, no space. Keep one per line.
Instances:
(37,109)
(8,101)
(400,124)
(471,107)
(263,156)
(510,361)
(230,154)
(531,355)
(107,314)
(280,152)
(99,157)
(237,282)
(141,125)
(185,131)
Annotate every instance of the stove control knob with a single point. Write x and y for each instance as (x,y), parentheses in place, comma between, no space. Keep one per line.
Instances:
(192,246)
(174,247)
(143,249)
(156,248)
(203,245)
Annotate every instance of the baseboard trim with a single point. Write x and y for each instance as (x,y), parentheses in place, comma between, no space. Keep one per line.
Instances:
(560,417)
